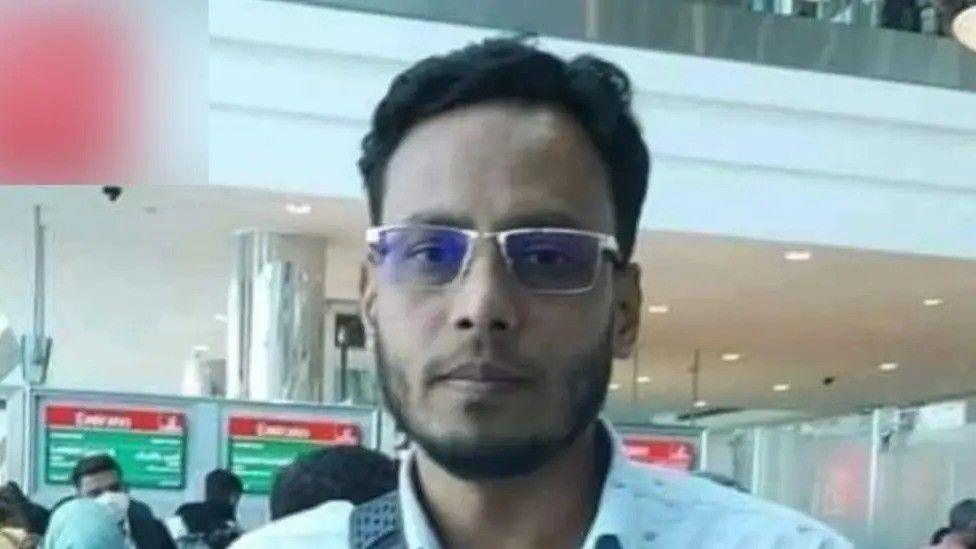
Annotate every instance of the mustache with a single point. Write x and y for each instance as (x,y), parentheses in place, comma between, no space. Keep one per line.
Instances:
(464,366)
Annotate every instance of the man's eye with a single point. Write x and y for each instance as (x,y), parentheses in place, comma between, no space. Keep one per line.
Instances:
(427,252)
(545,256)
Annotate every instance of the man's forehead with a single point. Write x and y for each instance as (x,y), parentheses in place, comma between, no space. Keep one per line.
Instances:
(102,477)
(538,218)
(499,166)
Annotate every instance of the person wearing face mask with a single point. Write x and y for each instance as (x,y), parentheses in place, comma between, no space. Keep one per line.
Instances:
(99,478)
(82,523)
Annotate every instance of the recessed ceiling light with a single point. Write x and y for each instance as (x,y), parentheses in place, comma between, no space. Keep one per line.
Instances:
(731,357)
(201,348)
(614,386)
(933,302)
(220,317)
(798,255)
(658,309)
(700,404)
(298,209)
(781,387)
(964,27)
(643,379)
(888,366)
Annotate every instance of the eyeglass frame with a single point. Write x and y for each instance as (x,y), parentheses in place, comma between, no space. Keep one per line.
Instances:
(606,245)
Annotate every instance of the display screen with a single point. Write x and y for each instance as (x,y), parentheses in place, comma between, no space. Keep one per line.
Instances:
(662,451)
(260,446)
(149,445)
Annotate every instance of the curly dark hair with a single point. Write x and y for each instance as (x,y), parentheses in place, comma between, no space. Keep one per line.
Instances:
(220,485)
(350,473)
(594,92)
(94,464)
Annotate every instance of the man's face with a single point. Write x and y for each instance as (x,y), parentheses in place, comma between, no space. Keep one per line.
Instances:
(94,485)
(494,167)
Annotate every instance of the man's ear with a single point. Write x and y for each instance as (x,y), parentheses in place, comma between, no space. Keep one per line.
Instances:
(367,295)
(626,310)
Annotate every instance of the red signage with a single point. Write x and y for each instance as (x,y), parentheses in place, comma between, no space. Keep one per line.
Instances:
(665,452)
(68,93)
(128,419)
(330,432)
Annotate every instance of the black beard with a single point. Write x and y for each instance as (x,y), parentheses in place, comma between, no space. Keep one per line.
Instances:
(472,460)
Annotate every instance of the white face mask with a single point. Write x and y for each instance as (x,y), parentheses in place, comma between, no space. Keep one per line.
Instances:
(117,502)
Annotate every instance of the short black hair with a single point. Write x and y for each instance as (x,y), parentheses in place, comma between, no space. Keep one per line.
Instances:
(11,515)
(962,517)
(939,535)
(594,92)
(347,473)
(92,465)
(221,484)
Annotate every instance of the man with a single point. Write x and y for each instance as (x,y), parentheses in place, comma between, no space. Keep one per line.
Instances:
(337,473)
(100,478)
(504,188)
(213,521)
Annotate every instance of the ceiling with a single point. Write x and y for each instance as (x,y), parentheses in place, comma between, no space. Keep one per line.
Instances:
(840,314)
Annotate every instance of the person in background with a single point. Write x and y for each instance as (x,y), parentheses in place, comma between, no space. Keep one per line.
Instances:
(100,478)
(83,523)
(348,473)
(336,477)
(36,515)
(962,516)
(213,521)
(939,535)
(13,528)
(961,532)
(956,540)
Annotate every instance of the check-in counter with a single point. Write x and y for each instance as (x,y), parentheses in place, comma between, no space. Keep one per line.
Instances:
(167,444)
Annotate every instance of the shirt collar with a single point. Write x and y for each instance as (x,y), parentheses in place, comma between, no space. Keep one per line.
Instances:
(614,516)
(416,528)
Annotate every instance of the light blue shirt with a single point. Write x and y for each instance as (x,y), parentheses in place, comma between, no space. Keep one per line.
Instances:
(642,506)
(648,507)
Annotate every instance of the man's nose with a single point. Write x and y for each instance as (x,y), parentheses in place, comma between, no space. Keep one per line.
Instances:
(485,299)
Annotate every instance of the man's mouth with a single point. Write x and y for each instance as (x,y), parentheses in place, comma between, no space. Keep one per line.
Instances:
(482,378)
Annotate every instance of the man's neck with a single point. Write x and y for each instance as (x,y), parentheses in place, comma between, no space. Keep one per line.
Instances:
(551,507)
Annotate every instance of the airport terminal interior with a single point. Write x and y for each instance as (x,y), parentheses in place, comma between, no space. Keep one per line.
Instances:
(807,252)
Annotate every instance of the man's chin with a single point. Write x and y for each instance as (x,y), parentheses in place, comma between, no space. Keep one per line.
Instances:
(489,459)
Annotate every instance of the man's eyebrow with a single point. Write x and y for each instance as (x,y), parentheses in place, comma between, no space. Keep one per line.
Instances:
(528,219)
(540,219)
(438,218)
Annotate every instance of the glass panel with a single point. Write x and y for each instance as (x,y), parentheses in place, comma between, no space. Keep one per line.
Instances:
(821,468)
(921,475)
(730,454)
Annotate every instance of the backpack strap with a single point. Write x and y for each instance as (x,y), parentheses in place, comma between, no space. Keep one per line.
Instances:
(377,524)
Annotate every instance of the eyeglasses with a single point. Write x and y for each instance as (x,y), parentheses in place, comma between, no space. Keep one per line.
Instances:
(544,260)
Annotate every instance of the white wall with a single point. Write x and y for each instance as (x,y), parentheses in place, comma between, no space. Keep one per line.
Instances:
(740,149)
(130,294)
(127,303)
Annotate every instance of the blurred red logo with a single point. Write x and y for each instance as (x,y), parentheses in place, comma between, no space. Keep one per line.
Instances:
(67,94)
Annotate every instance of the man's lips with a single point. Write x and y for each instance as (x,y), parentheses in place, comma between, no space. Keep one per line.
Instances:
(482,377)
